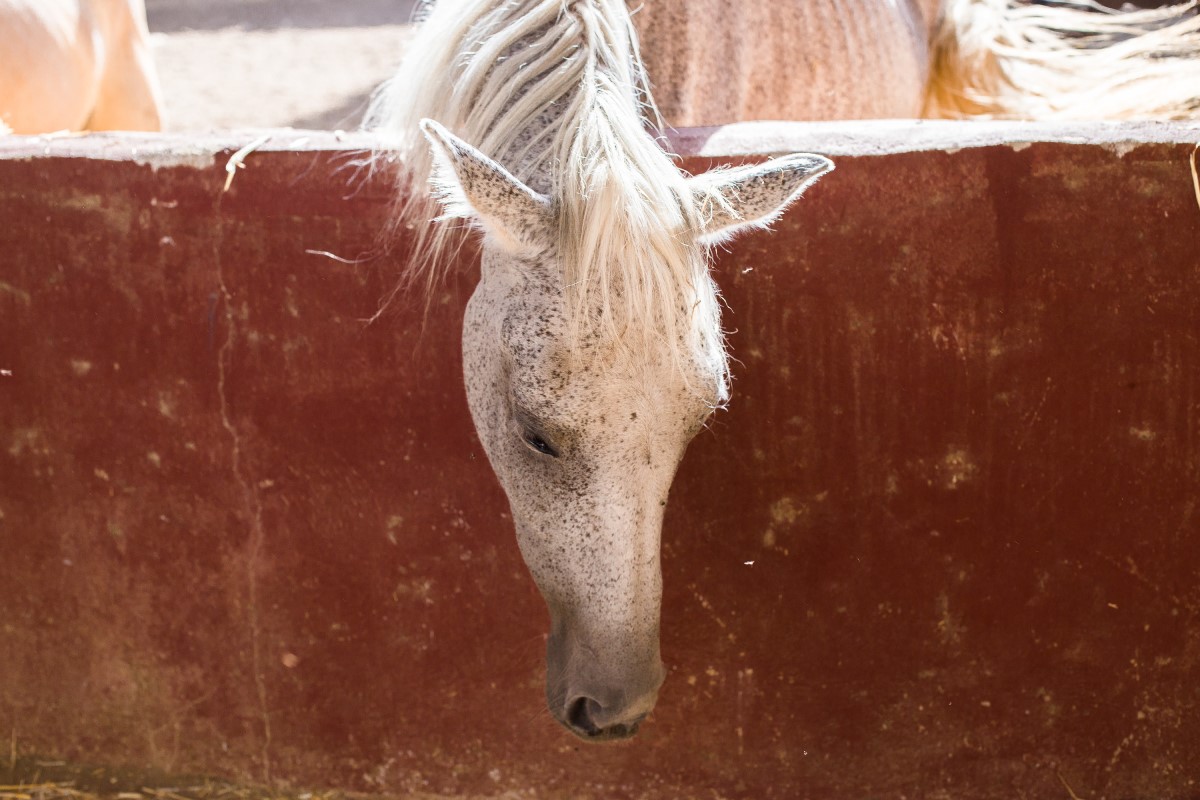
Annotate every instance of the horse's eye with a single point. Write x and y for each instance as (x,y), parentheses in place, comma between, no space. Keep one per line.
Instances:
(539,444)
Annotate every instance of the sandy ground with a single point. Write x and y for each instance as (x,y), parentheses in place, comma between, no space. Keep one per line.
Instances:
(271,63)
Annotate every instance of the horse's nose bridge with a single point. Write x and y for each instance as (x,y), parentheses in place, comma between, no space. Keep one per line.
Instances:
(609,634)
(614,616)
(631,592)
(632,500)
(605,665)
(604,642)
(600,568)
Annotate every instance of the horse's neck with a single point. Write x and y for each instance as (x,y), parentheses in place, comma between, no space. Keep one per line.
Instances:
(527,152)
(713,62)
(536,172)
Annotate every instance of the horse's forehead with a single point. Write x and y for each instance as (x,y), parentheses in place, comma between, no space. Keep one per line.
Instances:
(591,389)
(559,371)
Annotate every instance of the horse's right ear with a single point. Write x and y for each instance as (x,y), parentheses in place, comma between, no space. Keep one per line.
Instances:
(752,196)
(472,186)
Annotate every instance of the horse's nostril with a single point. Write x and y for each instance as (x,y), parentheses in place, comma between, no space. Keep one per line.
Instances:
(582,715)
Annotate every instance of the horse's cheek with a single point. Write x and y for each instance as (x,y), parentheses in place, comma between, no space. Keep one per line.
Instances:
(485,375)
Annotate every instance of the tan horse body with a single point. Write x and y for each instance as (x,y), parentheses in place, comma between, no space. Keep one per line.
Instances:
(76,65)
(712,62)
(766,59)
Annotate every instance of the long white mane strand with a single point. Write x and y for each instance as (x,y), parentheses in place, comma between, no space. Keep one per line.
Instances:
(1075,60)
(555,91)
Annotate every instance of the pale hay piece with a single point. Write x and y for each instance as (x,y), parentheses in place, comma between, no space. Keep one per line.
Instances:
(238,160)
(1077,61)
(568,118)
(336,257)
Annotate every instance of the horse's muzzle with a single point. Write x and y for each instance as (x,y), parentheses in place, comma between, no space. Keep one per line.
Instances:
(599,702)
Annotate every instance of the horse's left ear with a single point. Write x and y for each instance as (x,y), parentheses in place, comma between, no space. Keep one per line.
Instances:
(752,196)
(472,186)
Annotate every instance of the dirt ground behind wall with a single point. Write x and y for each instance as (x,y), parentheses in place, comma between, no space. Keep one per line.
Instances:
(274,63)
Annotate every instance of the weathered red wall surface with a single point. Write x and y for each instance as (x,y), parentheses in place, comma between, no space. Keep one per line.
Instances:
(943,543)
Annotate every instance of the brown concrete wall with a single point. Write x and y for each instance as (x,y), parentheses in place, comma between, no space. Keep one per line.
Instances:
(242,532)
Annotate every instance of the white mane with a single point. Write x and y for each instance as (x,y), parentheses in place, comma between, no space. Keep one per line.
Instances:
(554,91)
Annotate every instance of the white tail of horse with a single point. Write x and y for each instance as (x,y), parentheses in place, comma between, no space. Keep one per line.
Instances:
(1073,61)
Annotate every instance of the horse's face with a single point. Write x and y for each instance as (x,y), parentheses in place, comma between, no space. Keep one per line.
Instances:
(585,444)
(585,436)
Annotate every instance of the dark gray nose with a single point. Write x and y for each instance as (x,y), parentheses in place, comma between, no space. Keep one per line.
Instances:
(601,687)
(589,720)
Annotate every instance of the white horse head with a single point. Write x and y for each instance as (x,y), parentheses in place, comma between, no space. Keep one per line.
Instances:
(585,427)
(592,346)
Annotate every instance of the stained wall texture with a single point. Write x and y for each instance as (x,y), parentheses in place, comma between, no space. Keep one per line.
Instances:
(943,543)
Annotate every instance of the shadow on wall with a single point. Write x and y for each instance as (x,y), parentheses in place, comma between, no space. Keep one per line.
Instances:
(172,16)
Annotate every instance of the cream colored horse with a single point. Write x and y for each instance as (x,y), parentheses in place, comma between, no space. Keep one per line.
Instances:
(76,65)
